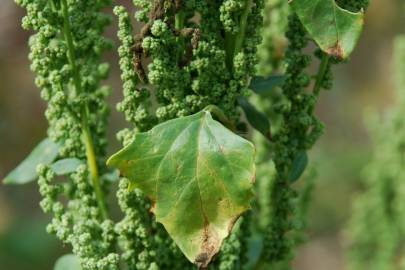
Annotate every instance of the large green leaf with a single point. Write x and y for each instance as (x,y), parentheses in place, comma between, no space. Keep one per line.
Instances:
(68,262)
(199,176)
(44,153)
(335,30)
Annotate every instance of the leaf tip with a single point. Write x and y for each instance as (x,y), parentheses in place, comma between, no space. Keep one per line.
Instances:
(209,248)
(337,51)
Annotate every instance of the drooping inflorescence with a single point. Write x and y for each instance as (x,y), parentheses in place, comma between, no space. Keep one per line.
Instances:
(295,130)
(65,55)
(192,64)
(187,57)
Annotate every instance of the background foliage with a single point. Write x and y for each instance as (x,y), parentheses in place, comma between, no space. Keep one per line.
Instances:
(344,149)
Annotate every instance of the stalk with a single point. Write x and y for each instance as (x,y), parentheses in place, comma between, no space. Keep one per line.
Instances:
(178,25)
(319,77)
(321,74)
(230,49)
(242,30)
(87,138)
(220,115)
(234,42)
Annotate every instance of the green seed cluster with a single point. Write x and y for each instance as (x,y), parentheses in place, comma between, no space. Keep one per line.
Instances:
(55,76)
(377,227)
(78,223)
(135,104)
(65,54)
(296,129)
(191,65)
(135,229)
(188,55)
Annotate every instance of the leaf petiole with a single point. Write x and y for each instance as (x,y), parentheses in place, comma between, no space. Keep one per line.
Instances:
(220,115)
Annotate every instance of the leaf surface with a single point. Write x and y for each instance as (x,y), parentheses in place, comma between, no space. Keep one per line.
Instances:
(68,262)
(44,153)
(299,165)
(264,85)
(335,30)
(257,119)
(199,176)
(112,176)
(66,166)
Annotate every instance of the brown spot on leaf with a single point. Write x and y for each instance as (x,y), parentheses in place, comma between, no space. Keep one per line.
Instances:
(211,245)
(336,51)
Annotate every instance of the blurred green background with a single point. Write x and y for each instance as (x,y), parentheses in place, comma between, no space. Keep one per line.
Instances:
(364,84)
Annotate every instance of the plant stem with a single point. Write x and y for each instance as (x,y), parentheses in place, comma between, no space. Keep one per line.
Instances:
(242,27)
(234,42)
(319,77)
(178,25)
(219,114)
(229,49)
(321,74)
(84,112)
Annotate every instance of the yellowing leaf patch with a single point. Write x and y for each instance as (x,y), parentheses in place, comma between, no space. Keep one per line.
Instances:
(199,176)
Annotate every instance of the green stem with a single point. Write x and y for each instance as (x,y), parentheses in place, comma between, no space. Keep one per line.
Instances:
(234,42)
(87,138)
(323,67)
(229,49)
(242,27)
(178,25)
(321,74)
(219,114)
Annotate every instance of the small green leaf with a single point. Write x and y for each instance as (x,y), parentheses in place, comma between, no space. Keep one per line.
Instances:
(254,249)
(199,176)
(335,30)
(66,166)
(299,164)
(257,119)
(264,85)
(68,262)
(44,153)
(112,176)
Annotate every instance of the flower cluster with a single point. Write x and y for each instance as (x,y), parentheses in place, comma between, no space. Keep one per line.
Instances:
(295,129)
(191,66)
(65,52)
(175,66)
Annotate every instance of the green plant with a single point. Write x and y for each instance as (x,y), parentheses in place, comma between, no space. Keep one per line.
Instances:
(376,229)
(187,157)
